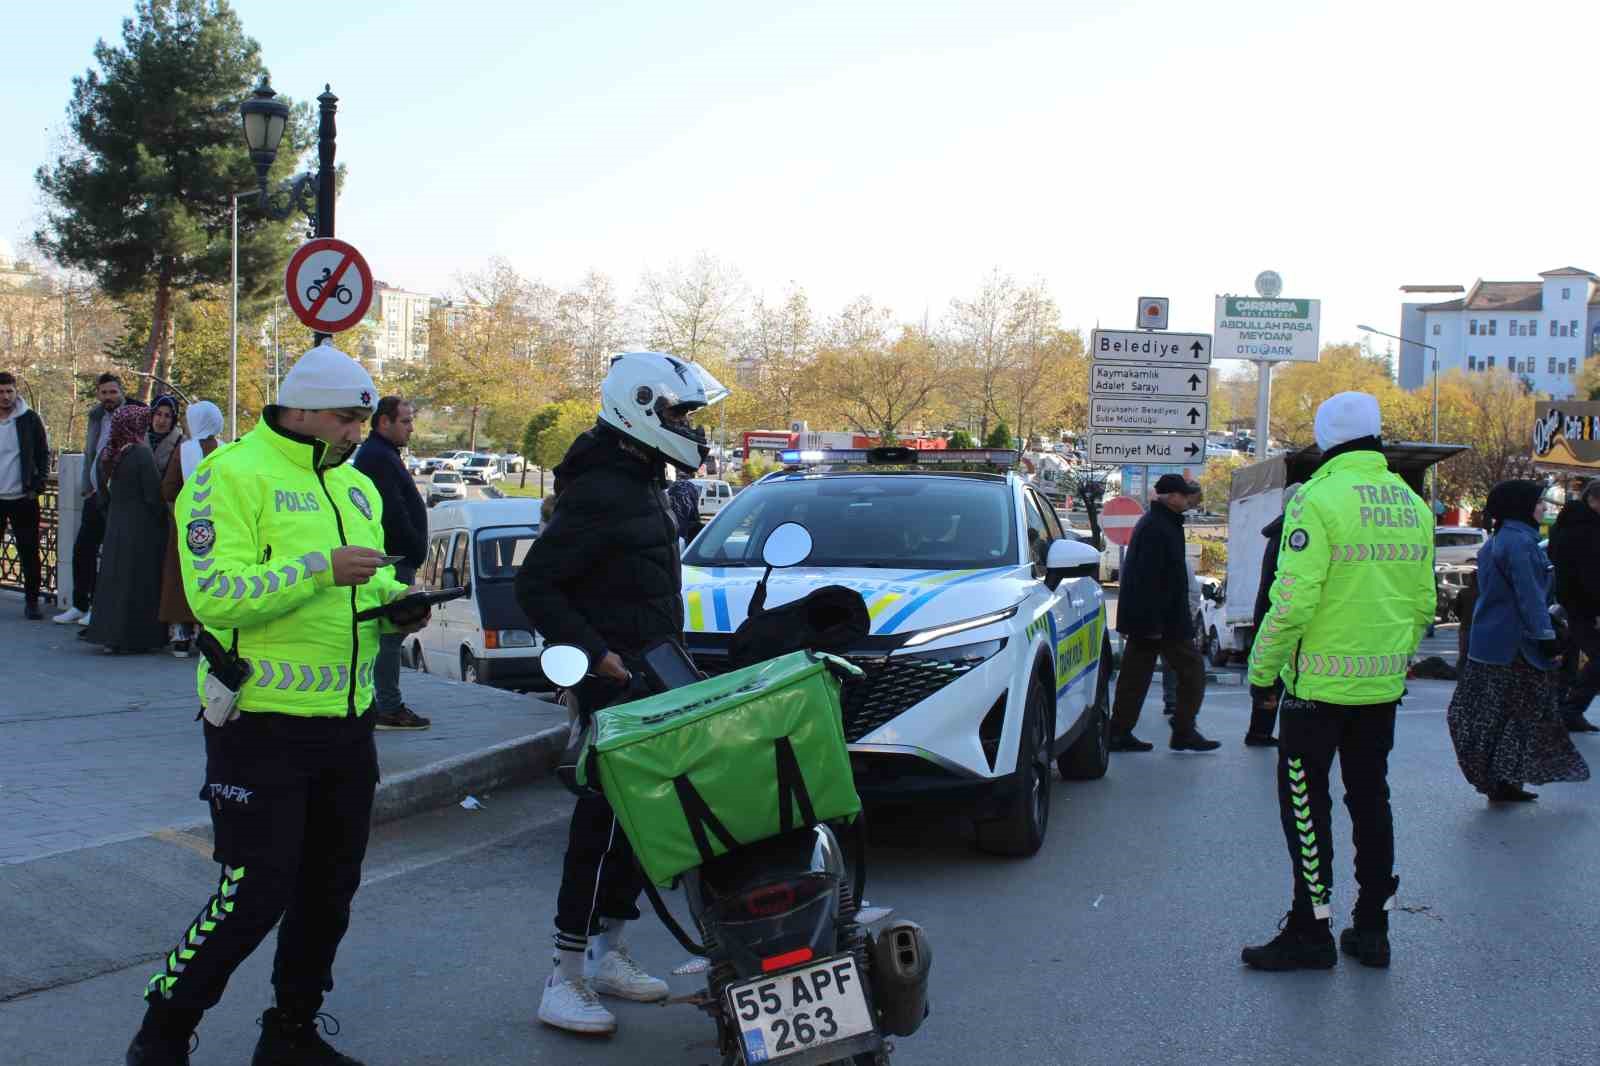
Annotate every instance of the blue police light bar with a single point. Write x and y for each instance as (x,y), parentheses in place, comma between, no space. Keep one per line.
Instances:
(1004,458)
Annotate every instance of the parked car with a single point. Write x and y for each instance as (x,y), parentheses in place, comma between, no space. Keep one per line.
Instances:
(512,463)
(446,485)
(1457,545)
(714,495)
(482,638)
(482,469)
(413,464)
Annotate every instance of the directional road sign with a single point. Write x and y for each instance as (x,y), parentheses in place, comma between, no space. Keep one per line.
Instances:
(1107,447)
(1131,380)
(1121,514)
(1166,349)
(328,284)
(1105,413)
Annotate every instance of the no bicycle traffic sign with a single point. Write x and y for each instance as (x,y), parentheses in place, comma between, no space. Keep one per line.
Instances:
(328,284)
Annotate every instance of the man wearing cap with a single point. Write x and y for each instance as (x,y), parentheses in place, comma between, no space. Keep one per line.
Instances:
(1353,594)
(1154,619)
(280,551)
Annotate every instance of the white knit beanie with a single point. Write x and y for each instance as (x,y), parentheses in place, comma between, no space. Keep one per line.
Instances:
(1347,416)
(325,378)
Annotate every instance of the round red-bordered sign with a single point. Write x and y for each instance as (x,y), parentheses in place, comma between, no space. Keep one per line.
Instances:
(328,285)
(1121,514)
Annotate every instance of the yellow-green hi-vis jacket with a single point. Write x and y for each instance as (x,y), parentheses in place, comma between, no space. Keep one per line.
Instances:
(1355,587)
(258,527)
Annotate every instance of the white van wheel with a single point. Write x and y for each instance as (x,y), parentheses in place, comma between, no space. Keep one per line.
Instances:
(417,660)
(469,667)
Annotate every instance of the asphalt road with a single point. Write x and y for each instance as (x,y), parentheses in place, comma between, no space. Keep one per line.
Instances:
(1117,944)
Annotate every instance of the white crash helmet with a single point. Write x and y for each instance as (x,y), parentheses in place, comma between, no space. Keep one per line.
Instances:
(648,396)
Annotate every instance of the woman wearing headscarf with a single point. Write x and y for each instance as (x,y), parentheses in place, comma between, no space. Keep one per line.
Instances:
(165,432)
(205,423)
(1503,717)
(128,593)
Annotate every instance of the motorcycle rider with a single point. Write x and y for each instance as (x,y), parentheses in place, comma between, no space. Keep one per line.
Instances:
(604,574)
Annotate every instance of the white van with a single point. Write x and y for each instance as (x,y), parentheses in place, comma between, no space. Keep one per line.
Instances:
(482,638)
(714,495)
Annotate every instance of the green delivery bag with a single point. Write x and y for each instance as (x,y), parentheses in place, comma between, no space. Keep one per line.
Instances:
(699,771)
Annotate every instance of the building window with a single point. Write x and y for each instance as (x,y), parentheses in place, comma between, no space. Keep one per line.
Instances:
(1552,365)
(1572,365)
(1491,362)
(1566,294)
(1572,328)
(1493,322)
(1472,362)
(1472,327)
(1436,329)
(1552,327)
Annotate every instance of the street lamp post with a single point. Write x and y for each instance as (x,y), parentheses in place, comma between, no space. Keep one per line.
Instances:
(1433,471)
(265,118)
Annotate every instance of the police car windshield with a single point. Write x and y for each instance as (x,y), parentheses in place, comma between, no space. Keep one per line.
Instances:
(902,521)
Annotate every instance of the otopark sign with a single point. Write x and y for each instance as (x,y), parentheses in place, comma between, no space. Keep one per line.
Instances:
(1269,330)
(328,285)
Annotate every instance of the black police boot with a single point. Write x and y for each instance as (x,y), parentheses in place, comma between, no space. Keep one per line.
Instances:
(165,1037)
(1302,943)
(289,1037)
(1367,939)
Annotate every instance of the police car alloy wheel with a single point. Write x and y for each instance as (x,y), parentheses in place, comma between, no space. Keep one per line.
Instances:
(1025,817)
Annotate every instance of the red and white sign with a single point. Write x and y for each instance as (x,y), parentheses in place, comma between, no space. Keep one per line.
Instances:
(1122,513)
(328,284)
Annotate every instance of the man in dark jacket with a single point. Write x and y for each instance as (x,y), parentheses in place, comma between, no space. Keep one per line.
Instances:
(604,574)
(109,396)
(1575,551)
(405,532)
(1153,618)
(24,468)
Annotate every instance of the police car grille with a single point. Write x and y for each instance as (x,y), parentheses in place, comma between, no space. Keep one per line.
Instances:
(889,689)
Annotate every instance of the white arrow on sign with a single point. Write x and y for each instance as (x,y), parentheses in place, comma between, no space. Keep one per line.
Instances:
(1178,448)
(1131,380)
(1148,414)
(1162,349)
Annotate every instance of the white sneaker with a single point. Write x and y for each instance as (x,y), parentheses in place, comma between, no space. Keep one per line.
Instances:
(88,616)
(67,617)
(616,974)
(573,1006)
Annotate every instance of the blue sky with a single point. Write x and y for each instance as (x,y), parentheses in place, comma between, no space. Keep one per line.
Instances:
(902,150)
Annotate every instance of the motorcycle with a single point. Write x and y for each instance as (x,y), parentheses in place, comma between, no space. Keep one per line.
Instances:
(799,968)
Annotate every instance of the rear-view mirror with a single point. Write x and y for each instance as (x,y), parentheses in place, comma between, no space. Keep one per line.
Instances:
(564,664)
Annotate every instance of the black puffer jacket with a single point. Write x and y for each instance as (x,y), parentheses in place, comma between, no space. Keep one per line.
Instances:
(1273,531)
(1154,598)
(604,573)
(1575,551)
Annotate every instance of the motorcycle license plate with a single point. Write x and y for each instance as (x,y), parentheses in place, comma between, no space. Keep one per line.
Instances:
(798,1010)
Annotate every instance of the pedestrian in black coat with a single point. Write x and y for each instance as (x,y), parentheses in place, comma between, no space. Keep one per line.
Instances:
(1574,550)
(1153,618)
(1264,710)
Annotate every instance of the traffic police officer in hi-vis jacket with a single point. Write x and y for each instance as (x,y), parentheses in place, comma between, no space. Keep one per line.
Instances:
(280,547)
(1353,595)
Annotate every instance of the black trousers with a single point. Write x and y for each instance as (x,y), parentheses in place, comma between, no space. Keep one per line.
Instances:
(1362,736)
(86,551)
(291,807)
(1585,683)
(22,516)
(600,877)
(1139,656)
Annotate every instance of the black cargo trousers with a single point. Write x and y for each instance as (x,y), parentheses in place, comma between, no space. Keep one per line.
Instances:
(1311,733)
(600,877)
(291,808)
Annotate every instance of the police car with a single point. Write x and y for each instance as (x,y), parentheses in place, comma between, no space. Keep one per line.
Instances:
(986,663)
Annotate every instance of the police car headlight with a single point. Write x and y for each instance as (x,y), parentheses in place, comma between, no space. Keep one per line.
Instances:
(940,632)
(968,655)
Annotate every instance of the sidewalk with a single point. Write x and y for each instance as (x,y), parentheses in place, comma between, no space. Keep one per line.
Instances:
(100,748)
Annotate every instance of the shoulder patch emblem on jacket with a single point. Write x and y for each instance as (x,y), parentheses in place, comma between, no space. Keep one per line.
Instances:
(359,498)
(1299,539)
(201,536)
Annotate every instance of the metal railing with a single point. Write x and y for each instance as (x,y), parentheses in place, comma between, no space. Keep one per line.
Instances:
(11,566)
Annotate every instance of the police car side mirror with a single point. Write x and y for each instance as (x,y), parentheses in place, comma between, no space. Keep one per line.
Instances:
(1070,559)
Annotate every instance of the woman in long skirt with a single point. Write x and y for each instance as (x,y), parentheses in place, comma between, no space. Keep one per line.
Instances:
(1503,717)
(128,593)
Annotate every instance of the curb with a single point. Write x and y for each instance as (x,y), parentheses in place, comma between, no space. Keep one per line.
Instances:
(503,765)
